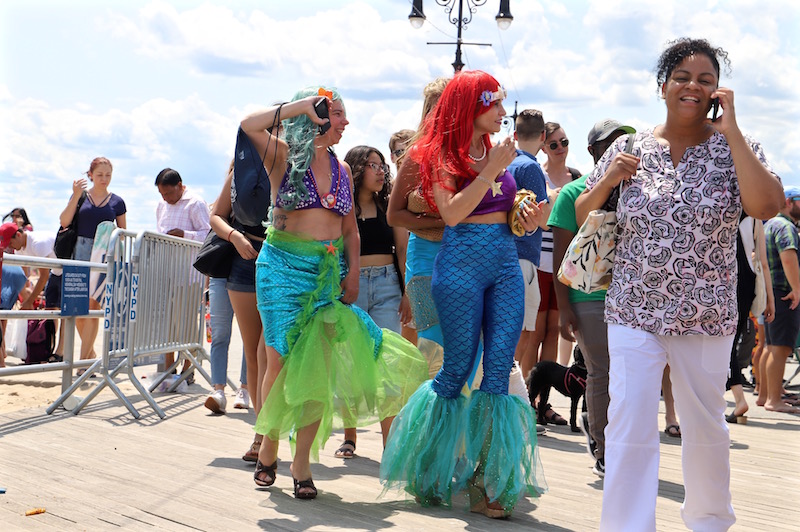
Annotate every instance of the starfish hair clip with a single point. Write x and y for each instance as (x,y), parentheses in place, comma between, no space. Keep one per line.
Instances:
(487,97)
(323,92)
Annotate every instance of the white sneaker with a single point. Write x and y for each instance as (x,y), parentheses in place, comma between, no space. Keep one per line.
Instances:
(242,400)
(216,401)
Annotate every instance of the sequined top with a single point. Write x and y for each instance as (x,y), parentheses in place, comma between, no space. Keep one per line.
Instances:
(338,199)
(502,202)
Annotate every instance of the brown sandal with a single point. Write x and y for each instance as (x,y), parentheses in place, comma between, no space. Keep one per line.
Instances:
(267,480)
(308,485)
(252,454)
(346,450)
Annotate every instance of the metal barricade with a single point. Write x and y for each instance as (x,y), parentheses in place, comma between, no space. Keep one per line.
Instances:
(153,304)
(117,267)
(168,313)
(69,364)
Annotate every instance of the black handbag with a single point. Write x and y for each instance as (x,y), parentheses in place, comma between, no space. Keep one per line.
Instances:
(67,237)
(215,256)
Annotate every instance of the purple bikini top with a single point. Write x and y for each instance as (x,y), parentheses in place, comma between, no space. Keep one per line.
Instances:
(502,202)
(337,199)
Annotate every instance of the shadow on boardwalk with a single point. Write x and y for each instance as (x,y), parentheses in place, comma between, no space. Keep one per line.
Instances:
(102,470)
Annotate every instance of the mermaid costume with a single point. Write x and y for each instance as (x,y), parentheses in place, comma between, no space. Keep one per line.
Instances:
(339,368)
(443,442)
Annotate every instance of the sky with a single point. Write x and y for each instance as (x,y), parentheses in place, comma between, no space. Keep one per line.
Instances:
(155,84)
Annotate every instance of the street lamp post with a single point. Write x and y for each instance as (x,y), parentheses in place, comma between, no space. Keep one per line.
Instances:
(503,18)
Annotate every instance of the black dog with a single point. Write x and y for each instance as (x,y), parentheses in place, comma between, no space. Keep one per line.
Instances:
(570,381)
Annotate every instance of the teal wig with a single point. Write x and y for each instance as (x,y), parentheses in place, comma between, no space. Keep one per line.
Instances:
(300,133)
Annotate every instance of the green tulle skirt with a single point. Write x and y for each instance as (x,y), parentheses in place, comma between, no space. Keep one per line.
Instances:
(338,368)
(438,447)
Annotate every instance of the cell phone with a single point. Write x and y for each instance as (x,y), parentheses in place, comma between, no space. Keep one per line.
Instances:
(714,109)
(321,108)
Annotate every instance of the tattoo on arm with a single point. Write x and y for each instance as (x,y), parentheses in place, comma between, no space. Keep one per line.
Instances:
(279,222)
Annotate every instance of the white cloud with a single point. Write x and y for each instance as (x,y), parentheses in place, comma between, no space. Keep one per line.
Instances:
(173,82)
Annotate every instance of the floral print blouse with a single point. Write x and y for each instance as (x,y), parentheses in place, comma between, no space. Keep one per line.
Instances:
(675,266)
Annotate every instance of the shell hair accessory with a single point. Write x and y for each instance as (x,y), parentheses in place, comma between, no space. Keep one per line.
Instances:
(323,92)
(487,97)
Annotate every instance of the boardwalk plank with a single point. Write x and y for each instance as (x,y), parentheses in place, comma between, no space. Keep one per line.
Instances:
(103,470)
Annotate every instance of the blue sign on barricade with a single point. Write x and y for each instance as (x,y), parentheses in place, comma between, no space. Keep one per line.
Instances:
(75,291)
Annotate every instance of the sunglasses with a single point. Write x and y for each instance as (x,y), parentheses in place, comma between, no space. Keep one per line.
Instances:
(377,167)
(564,143)
(794,198)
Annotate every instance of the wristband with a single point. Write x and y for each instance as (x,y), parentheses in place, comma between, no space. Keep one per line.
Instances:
(230,234)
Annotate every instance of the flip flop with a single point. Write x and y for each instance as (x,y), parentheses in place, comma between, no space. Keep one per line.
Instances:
(346,450)
(673,431)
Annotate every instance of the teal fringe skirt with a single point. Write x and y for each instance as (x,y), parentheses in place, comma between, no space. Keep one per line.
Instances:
(339,368)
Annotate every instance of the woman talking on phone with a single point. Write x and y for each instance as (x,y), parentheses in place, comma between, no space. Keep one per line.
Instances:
(672,298)
(321,351)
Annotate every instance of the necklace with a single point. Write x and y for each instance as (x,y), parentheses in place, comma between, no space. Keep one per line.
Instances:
(328,200)
(482,157)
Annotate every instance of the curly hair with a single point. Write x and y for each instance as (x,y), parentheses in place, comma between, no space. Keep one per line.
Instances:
(447,131)
(680,49)
(300,133)
(357,159)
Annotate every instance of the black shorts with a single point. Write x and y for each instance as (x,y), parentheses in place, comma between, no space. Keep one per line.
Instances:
(785,327)
(52,292)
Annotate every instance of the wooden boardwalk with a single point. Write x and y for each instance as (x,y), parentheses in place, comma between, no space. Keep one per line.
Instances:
(103,470)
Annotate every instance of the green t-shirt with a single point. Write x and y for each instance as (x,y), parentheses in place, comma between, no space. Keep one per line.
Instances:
(563,216)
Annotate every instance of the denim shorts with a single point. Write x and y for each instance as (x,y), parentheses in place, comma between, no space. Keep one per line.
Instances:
(83,248)
(379,294)
(243,272)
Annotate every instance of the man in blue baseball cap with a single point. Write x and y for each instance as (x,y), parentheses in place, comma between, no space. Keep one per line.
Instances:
(783,256)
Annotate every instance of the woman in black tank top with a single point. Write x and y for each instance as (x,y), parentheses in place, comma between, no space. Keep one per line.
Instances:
(383,253)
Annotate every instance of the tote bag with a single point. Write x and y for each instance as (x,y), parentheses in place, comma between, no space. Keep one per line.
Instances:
(589,260)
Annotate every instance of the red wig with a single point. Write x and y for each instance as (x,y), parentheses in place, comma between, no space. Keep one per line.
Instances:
(443,146)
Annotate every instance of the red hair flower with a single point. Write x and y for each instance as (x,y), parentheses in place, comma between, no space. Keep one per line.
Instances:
(323,92)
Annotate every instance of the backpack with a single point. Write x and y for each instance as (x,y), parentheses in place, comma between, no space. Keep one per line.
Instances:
(250,189)
(41,341)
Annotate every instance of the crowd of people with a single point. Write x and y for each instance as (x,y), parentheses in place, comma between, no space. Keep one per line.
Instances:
(410,302)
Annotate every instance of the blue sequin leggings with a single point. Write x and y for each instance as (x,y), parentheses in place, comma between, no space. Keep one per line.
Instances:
(477,286)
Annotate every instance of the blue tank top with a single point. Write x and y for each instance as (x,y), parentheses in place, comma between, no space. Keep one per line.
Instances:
(337,199)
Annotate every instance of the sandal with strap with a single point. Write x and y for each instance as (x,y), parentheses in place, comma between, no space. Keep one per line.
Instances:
(307,485)
(252,453)
(479,503)
(554,418)
(267,480)
(346,450)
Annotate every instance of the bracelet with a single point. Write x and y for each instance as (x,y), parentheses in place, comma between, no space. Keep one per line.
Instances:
(494,185)
(230,234)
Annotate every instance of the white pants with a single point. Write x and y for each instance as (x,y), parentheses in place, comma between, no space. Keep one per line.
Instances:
(532,296)
(698,369)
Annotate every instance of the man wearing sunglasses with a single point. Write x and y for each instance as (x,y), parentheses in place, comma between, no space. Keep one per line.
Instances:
(398,143)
